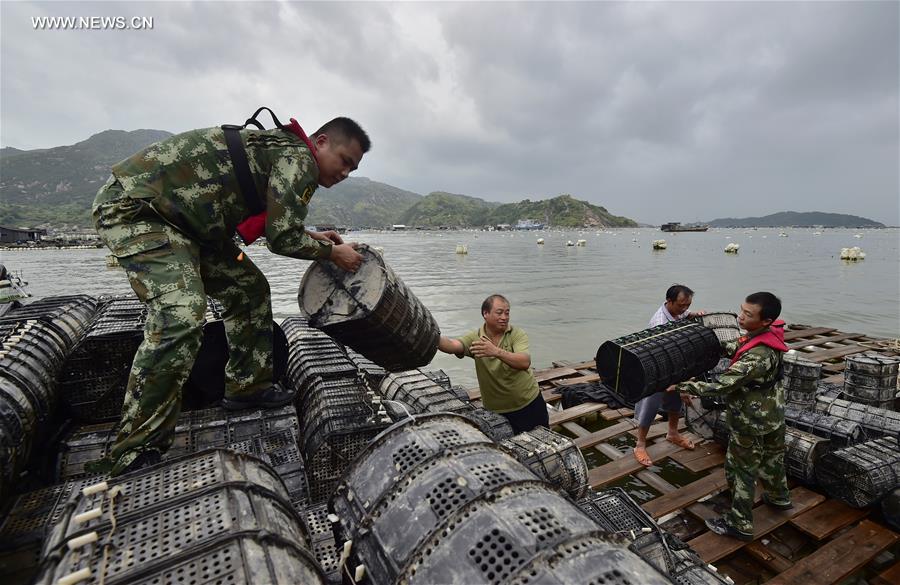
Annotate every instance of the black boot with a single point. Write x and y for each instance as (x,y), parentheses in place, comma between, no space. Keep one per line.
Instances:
(272,397)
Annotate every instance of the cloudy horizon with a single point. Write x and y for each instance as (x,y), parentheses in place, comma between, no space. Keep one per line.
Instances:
(657,111)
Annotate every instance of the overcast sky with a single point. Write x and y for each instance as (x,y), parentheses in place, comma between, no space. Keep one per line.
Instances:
(658,111)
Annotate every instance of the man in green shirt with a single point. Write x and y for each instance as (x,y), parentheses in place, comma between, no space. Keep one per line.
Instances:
(503,366)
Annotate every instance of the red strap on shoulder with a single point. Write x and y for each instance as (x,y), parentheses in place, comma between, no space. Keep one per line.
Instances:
(252,228)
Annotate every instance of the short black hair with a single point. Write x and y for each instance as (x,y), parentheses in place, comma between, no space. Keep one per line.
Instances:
(770,305)
(345,129)
(488,303)
(675,290)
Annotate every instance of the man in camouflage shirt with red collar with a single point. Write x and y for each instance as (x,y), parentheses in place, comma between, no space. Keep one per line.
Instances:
(754,396)
(169,214)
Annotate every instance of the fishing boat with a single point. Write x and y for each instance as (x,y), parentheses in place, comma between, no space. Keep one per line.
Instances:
(677,227)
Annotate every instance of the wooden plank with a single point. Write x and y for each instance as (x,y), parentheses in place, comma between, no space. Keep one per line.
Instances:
(619,468)
(686,495)
(585,365)
(616,413)
(825,340)
(827,518)
(606,434)
(553,373)
(560,416)
(705,456)
(549,395)
(890,576)
(839,558)
(646,476)
(834,379)
(578,380)
(811,332)
(711,547)
(768,557)
(837,352)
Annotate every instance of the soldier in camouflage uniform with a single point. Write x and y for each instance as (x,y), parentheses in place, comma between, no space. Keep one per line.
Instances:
(754,396)
(169,214)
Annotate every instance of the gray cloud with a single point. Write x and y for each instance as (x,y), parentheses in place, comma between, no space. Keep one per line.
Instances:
(658,111)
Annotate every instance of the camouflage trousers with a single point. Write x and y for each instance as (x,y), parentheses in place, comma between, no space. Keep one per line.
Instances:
(172,275)
(749,457)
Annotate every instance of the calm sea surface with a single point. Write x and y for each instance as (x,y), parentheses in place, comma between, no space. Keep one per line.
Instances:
(571,299)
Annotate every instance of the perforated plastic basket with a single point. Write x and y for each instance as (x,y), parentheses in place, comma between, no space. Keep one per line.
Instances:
(615,511)
(861,474)
(838,431)
(214,513)
(552,457)
(878,422)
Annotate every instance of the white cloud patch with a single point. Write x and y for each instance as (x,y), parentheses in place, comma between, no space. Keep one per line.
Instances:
(658,111)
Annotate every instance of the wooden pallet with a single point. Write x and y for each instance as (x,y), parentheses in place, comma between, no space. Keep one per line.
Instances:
(839,558)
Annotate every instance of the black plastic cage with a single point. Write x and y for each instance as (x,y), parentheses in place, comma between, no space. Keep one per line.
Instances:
(552,457)
(216,513)
(372,311)
(802,452)
(421,393)
(861,474)
(838,431)
(588,558)
(724,325)
(877,422)
(649,361)
(269,434)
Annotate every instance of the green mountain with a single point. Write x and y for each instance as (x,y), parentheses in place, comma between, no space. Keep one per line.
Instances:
(798,219)
(561,211)
(360,202)
(54,186)
(448,209)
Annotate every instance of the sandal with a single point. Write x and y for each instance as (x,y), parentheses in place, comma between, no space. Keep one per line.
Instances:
(640,453)
(682,442)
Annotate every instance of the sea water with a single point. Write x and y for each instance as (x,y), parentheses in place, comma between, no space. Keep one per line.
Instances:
(570,299)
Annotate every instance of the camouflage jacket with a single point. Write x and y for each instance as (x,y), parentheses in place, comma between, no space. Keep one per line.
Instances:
(190,182)
(753,409)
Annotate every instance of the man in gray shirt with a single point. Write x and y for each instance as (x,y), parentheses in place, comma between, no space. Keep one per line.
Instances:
(678,301)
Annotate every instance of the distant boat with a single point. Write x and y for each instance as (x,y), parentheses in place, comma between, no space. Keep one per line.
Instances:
(677,227)
(529,224)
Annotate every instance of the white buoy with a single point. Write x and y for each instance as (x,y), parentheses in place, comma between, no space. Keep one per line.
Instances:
(732,248)
(581,243)
(540,241)
(857,236)
(782,235)
(659,245)
(462,249)
(570,243)
(854,254)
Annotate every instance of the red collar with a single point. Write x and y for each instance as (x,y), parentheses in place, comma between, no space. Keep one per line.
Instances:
(772,337)
(295,129)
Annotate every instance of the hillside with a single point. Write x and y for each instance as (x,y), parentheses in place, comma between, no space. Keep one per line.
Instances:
(798,219)
(449,210)
(561,211)
(53,186)
(360,202)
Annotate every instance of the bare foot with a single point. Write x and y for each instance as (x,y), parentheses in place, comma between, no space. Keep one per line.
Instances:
(681,441)
(640,453)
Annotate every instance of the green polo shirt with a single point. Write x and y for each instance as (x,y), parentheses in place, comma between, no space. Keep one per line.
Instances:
(503,389)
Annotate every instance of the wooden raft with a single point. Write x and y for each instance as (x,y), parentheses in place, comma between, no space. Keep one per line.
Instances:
(847,541)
